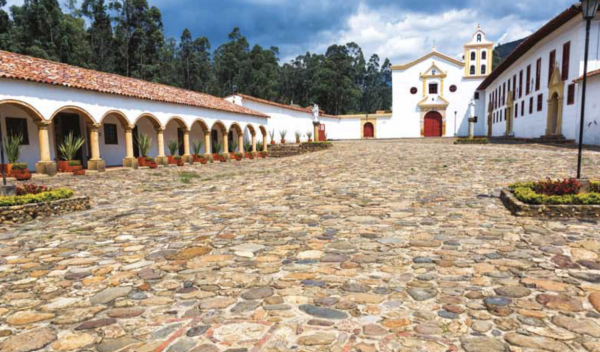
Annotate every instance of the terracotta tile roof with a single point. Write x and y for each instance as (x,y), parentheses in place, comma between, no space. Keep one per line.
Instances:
(27,68)
(590,74)
(531,41)
(307,110)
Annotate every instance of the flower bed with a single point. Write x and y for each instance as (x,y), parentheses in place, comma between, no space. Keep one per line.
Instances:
(553,199)
(472,141)
(34,201)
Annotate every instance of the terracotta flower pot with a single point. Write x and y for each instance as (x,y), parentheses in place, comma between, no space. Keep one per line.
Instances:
(151,164)
(238,157)
(179,162)
(7,168)
(21,175)
(80,172)
(283,141)
(273,143)
(63,166)
(171,160)
(297,141)
(141,161)
(310,140)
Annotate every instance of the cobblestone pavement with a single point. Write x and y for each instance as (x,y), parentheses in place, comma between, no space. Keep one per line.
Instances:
(372,246)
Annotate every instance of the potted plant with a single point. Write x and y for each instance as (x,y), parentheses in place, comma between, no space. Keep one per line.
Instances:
(282,134)
(145,144)
(217,150)
(238,156)
(150,162)
(248,154)
(298,137)
(173,146)
(12,147)
(197,157)
(272,135)
(309,135)
(264,154)
(178,160)
(233,147)
(68,150)
(20,172)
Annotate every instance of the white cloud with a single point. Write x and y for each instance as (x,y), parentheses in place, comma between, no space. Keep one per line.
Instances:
(405,36)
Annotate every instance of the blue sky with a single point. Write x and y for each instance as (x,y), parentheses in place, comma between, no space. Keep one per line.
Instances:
(399,29)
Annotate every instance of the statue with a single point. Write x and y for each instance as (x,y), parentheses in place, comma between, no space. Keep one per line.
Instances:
(315,112)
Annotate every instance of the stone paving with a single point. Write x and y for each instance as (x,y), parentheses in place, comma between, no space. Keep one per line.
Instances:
(371,246)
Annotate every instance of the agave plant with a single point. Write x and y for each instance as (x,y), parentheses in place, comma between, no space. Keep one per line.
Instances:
(70,146)
(233,146)
(144,143)
(173,146)
(218,147)
(309,134)
(282,134)
(12,147)
(259,146)
(272,135)
(197,147)
(298,135)
(247,146)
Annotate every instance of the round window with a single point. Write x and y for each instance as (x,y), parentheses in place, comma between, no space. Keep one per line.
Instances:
(413,90)
(453,88)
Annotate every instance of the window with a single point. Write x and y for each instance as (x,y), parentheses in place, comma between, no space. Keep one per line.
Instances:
(528,89)
(571,94)
(413,90)
(504,94)
(17,126)
(540,102)
(479,38)
(523,108)
(433,88)
(566,58)
(514,87)
(551,64)
(484,55)
(472,71)
(110,134)
(538,74)
(483,69)
(476,95)
(530,105)
(473,56)
(453,88)
(516,110)
(520,84)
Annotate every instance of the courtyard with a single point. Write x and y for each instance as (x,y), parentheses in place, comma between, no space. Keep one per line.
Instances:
(396,245)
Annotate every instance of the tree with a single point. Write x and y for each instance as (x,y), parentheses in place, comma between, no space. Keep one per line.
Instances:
(100,34)
(195,62)
(228,61)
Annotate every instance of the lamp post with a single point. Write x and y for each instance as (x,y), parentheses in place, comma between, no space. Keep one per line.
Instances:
(589,8)
(455,130)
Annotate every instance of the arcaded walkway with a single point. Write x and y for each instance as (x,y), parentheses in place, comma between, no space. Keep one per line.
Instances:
(372,246)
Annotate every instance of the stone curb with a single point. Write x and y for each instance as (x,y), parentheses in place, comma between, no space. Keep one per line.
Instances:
(518,208)
(23,213)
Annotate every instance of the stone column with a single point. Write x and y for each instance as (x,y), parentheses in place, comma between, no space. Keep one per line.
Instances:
(161,159)
(240,143)
(316,131)
(130,160)
(265,144)
(207,146)
(96,162)
(45,165)
(187,156)
(471,128)
(254,143)
(225,143)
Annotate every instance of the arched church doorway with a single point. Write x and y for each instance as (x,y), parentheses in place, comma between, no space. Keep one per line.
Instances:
(433,124)
(369,130)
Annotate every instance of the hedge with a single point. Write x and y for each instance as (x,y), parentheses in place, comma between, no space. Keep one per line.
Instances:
(471,141)
(525,193)
(49,196)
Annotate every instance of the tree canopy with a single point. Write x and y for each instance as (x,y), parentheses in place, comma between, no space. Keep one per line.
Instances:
(127,37)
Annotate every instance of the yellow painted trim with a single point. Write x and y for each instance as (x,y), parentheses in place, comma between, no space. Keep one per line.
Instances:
(421,59)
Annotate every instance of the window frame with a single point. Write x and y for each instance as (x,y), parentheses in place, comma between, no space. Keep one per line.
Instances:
(540,102)
(566,61)
(437,88)
(571,94)
(531,105)
(551,64)
(538,74)
(528,75)
(108,134)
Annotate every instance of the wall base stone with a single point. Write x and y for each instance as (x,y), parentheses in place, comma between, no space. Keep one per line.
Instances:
(97,165)
(46,168)
(23,213)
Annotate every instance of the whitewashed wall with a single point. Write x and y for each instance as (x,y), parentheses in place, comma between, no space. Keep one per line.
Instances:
(48,99)
(406,120)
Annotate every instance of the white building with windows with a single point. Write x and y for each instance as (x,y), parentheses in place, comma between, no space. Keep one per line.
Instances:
(536,91)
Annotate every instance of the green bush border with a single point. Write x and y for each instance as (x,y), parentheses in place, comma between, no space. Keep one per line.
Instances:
(525,193)
(472,141)
(57,194)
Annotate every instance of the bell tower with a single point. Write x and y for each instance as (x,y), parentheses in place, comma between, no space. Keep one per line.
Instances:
(478,55)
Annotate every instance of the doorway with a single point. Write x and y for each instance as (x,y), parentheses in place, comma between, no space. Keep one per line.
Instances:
(433,124)
(64,124)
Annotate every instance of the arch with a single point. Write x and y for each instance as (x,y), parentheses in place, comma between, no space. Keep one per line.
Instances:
(433,124)
(368,130)
(484,55)
(236,127)
(556,89)
(179,121)
(263,130)
(483,69)
(473,56)
(251,129)
(72,108)
(479,38)
(119,115)
(472,71)
(202,124)
(220,126)
(155,121)
(29,110)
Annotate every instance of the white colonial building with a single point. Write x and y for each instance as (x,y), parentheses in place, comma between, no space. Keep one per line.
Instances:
(536,91)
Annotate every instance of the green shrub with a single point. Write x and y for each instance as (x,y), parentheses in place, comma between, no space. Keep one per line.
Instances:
(49,196)
(595,186)
(74,163)
(526,194)
(472,141)
(149,158)
(19,166)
